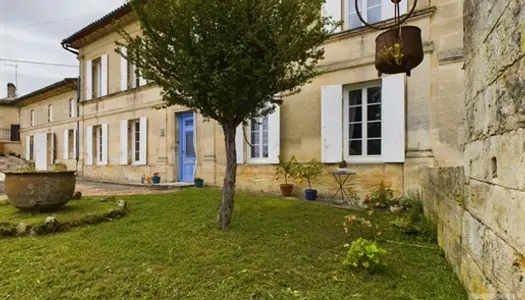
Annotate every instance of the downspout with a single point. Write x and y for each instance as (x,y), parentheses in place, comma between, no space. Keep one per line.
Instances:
(68,48)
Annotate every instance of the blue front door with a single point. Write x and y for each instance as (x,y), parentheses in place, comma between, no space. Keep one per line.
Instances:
(187,157)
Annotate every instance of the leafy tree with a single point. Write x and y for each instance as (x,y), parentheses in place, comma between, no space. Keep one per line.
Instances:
(228,59)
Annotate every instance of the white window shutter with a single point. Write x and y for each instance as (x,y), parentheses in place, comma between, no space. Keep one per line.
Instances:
(28,147)
(239,144)
(123,70)
(388,8)
(143,147)
(124,142)
(53,148)
(104,75)
(331,123)
(75,133)
(105,144)
(66,144)
(142,81)
(41,151)
(89,80)
(89,145)
(393,112)
(403,7)
(274,136)
(333,9)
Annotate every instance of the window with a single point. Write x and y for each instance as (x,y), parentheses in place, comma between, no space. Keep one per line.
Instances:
(31,148)
(50,113)
(362,122)
(71,108)
(97,144)
(96,73)
(32,118)
(71,143)
(259,138)
(370,11)
(135,140)
(133,79)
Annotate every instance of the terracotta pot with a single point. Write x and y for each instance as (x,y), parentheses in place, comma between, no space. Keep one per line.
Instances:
(40,191)
(411,47)
(286,190)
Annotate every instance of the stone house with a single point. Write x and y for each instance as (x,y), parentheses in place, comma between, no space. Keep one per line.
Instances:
(387,128)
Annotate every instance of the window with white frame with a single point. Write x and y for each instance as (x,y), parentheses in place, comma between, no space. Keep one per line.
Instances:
(135,140)
(362,122)
(98,142)
(50,113)
(370,11)
(32,117)
(259,138)
(31,147)
(96,73)
(71,144)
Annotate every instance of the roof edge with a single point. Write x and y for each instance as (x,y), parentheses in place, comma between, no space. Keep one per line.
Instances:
(73,82)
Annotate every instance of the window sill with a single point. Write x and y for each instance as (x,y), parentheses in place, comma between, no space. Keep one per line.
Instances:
(260,161)
(364,160)
(136,163)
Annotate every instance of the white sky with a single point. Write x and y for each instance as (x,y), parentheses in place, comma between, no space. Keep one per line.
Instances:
(32,30)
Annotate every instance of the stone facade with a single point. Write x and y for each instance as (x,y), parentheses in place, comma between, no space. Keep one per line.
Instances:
(479,211)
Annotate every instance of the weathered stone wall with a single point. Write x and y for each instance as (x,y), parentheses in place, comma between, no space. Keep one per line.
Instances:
(481,212)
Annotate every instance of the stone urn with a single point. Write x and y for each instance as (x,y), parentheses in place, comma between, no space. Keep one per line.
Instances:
(40,191)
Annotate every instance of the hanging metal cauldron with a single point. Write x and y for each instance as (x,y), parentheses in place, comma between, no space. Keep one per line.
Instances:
(400,48)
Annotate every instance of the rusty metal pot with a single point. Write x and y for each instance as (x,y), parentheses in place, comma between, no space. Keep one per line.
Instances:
(411,48)
(40,191)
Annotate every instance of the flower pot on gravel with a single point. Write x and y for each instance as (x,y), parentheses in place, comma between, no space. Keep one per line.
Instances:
(286,190)
(310,194)
(198,182)
(40,191)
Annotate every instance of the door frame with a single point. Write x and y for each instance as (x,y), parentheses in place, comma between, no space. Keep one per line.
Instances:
(180,132)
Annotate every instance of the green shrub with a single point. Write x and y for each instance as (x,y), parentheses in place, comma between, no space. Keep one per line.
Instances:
(309,171)
(365,254)
(59,167)
(286,168)
(415,222)
(380,196)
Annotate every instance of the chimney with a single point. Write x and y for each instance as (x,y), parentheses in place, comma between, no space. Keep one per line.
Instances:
(11,91)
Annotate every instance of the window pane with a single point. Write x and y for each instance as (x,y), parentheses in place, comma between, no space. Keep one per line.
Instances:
(356,147)
(255,151)
(374,15)
(374,147)
(356,97)
(356,131)
(265,123)
(356,114)
(190,151)
(353,21)
(374,112)
(254,138)
(351,4)
(188,123)
(374,94)
(265,151)
(374,130)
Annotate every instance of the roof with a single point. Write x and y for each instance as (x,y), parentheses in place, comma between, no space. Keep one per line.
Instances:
(100,23)
(67,82)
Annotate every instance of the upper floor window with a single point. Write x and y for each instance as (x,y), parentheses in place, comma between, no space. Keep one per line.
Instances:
(71,108)
(32,118)
(362,122)
(50,113)
(370,11)
(96,73)
(259,138)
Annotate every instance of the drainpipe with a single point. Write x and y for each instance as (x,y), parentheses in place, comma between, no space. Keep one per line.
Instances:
(68,47)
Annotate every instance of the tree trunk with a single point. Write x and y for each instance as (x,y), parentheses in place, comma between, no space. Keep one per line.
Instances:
(224,218)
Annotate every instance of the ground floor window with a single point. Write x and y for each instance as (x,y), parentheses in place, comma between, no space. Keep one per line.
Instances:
(259,138)
(135,140)
(32,147)
(362,121)
(71,143)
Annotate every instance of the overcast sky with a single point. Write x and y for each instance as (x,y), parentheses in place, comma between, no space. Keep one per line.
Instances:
(32,30)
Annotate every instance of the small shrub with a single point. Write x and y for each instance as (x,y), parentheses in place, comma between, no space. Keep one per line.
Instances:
(286,168)
(309,171)
(415,222)
(366,228)
(380,197)
(365,254)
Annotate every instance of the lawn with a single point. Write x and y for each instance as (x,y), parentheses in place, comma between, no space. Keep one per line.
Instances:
(168,248)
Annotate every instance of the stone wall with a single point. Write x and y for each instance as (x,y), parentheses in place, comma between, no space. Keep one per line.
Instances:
(480,209)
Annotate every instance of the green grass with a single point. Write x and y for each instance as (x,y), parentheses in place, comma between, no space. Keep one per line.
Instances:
(74,210)
(168,248)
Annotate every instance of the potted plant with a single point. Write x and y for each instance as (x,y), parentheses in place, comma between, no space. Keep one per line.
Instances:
(156,178)
(310,171)
(199,182)
(342,165)
(288,170)
(399,50)
(395,206)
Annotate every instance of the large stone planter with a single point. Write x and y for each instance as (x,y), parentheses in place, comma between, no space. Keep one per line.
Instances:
(40,191)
